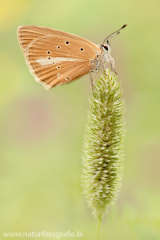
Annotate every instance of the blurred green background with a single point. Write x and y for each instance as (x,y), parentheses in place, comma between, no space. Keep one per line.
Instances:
(41,132)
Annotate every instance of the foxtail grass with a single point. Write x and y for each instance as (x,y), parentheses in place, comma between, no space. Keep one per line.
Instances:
(102,152)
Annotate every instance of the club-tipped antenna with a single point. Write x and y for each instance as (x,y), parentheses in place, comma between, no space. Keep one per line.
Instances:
(114,33)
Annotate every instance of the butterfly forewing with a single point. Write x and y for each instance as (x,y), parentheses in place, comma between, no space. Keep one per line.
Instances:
(55,60)
(26,34)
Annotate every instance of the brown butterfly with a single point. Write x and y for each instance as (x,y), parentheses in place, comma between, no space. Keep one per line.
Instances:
(55,57)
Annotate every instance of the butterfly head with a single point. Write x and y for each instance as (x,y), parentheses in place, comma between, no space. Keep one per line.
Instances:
(106,47)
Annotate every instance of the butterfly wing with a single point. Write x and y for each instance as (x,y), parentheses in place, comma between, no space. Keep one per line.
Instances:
(55,60)
(52,77)
(26,34)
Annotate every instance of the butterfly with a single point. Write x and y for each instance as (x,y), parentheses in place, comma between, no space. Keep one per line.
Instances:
(55,57)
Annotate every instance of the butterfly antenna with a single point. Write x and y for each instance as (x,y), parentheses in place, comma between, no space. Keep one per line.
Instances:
(114,33)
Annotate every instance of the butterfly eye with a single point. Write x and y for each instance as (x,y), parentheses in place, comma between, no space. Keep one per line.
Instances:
(81,49)
(48,52)
(67,78)
(49,58)
(58,47)
(67,42)
(58,67)
(106,47)
(59,76)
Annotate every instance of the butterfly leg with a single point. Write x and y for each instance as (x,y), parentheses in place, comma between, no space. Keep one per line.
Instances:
(103,66)
(104,70)
(91,82)
(112,64)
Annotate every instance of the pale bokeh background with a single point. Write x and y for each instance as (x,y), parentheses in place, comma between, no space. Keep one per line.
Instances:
(41,132)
